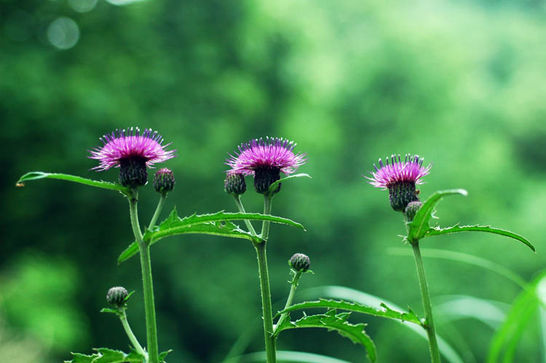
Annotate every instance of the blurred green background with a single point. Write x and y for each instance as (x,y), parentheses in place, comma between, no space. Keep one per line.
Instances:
(461,83)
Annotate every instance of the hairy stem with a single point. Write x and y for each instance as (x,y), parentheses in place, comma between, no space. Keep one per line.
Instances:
(267,310)
(132,338)
(425,296)
(147,282)
(267,211)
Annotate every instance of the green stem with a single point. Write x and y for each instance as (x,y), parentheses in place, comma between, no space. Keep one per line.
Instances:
(158,210)
(123,318)
(267,310)
(293,287)
(147,282)
(425,296)
(241,208)
(267,211)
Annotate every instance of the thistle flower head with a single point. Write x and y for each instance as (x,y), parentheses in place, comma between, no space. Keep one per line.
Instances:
(128,144)
(265,160)
(399,177)
(133,151)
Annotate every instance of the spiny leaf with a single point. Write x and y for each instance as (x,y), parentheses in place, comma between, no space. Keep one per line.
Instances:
(274,185)
(384,312)
(82,358)
(107,355)
(214,224)
(419,226)
(477,228)
(332,321)
(36,175)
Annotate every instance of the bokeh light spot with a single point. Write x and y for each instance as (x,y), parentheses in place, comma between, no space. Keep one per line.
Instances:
(63,33)
(82,6)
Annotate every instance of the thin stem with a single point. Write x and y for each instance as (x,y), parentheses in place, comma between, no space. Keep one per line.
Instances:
(147,282)
(241,208)
(158,210)
(267,211)
(425,296)
(267,311)
(293,287)
(123,318)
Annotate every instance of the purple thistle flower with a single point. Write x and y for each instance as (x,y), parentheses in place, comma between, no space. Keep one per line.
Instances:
(400,178)
(265,160)
(132,151)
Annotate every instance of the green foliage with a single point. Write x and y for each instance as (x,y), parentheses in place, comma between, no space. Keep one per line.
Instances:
(286,356)
(522,314)
(213,224)
(337,322)
(274,185)
(384,311)
(477,228)
(37,175)
(106,355)
(418,228)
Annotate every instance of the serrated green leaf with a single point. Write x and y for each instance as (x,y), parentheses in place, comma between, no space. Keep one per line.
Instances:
(384,311)
(82,358)
(213,224)
(332,321)
(37,175)
(477,228)
(274,185)
(107,355)
(420,224)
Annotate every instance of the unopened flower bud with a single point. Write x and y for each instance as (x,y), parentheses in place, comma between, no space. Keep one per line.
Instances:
(299,262)
(116,296)
(235,184)
(164,181)
(411,210)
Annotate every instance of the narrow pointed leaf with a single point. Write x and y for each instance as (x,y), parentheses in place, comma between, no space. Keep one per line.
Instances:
(274,185)
(334,321)
(164,354)
(420,224)
(521,315)
(37,175)
(107,355)
(477,228)
(384,311)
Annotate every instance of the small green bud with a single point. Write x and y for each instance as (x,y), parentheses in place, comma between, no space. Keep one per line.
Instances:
(116,296)
(164,181)
(235,184)
(411,210)
(300,262)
